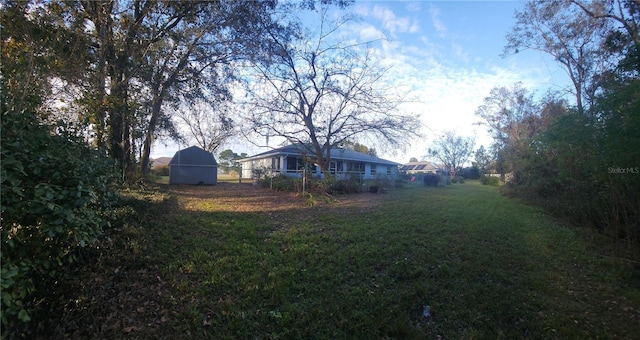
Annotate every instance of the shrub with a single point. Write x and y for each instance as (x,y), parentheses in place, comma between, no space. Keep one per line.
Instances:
(431,180)
(472,172)
(398,183)
(490,180)
(259,172)
(457,179)
(282,183)
(56,198)
(160,170)
(344,186)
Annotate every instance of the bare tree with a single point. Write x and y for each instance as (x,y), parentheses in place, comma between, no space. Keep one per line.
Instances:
(453,151)
(623,12)
(208,124)
(320,91)
(568,34)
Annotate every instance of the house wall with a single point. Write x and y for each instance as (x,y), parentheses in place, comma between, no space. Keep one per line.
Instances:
(249,166)
(185,174)
(289,167)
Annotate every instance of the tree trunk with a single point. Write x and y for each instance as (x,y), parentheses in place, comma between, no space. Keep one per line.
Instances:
(150,135)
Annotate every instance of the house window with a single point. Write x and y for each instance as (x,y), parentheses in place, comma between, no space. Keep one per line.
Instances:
(335,167)
(355,167)
(374,169)
(295,164)
(275,163)
(389,170)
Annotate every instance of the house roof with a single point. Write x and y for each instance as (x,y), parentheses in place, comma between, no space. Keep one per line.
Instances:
(419,166)
(160,161)
(193,155)
(336,154)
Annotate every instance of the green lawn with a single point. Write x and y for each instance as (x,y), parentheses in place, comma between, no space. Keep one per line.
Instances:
(488,266)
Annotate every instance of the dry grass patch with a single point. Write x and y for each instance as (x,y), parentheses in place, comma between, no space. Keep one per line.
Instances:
(228,197)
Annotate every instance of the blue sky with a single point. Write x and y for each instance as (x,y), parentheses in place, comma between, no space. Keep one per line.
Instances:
(447,55)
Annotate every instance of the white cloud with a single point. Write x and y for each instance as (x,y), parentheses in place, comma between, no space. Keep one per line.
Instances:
(438,25)
(367,32)
(446,98)
(460,53)
(361,30)
(414,6)
(389,20)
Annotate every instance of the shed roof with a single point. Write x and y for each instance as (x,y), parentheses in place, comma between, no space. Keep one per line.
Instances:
(193,155)
(336,154)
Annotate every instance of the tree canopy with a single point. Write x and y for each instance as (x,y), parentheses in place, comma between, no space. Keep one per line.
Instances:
(578,160)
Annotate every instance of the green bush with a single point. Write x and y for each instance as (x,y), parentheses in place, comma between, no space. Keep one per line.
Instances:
(490,180)
(472,172)
(431,179)
(160,170)
(282,183)
(457,179)
(399,183)
(344,186)
(56,197)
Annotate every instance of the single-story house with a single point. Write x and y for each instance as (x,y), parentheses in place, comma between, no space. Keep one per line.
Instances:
(290,161)
(423,167)
(193,165)
(160,162)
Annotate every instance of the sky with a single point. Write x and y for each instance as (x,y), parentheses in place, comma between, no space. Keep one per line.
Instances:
(447,55)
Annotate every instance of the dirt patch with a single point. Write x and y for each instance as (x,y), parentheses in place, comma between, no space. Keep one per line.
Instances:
(235,197)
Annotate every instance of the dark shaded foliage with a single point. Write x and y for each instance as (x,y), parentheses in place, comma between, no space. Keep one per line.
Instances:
(56,198)
(430,180)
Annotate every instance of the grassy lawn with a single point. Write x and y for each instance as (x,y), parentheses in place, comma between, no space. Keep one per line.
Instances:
(488,266)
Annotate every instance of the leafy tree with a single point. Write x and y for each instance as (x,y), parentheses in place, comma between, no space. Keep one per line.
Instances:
(198,67)
(355,146)
(42,51)
(228,159)
(471,172)
(131,59)
(178,46)
(568,34)
(483,159)
(319,91)
(413,159)
(453,151)
(576,162)
(511,116)
(618,139)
